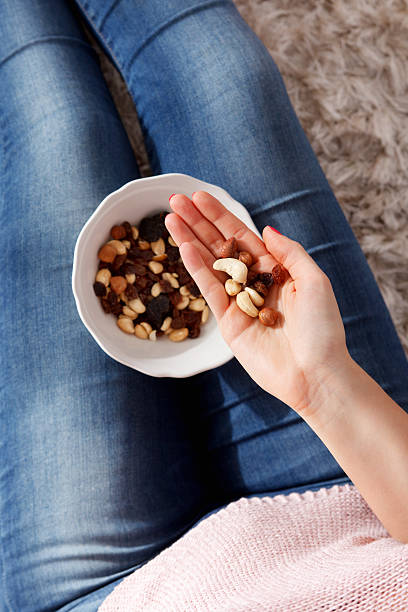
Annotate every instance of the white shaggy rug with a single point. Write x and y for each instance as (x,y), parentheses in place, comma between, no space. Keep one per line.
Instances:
(345,65)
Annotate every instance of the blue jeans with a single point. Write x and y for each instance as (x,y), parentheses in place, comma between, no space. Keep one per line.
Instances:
(102,467)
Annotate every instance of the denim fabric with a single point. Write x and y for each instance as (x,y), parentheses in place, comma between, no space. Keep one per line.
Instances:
(102,467)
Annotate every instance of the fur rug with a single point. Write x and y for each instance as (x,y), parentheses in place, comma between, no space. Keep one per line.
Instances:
(345,65)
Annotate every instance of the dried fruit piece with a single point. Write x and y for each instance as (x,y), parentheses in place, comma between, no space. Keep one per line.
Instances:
(118,232)
(99,288)
(152,228)
(107,253)
(157,309)
(266,278)
(260,288)
(268,316)
(279,274)
(118,284)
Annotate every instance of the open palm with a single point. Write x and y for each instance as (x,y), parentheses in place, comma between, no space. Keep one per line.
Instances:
(308,341)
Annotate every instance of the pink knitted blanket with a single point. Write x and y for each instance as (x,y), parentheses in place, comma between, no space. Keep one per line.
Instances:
(318,550)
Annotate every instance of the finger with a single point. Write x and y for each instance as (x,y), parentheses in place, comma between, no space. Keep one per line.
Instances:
(180,232)
(210,287)
(227,223)
(291,255)
(205,231)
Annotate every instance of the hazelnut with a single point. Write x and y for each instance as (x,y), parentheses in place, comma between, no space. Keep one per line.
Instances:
(268,316)
(228,248)
(246,258)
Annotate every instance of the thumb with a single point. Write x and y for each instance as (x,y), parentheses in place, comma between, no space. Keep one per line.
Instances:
(290,254)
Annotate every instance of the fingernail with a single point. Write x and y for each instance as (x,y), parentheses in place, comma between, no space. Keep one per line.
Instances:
(173,194)
(275,230)
(193,194)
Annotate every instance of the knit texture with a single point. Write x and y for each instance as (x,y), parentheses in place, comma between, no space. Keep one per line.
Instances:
(318,550)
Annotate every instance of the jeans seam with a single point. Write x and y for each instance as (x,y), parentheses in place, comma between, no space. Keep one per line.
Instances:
(181,14)
(45,39)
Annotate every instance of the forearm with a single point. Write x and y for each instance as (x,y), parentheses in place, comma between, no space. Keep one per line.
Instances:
(367,433)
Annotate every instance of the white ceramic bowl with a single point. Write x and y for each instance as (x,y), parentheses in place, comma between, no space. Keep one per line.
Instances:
(132,202)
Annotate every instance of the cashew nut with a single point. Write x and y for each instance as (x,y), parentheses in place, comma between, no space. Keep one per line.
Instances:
(246,305)
(232,287)
(235,268)
(255,297)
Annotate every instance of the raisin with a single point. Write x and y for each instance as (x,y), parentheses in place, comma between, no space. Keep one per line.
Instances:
(117,308)
(165,286)
(133,268)
(157,309)
(175,298)
(194,290)
(112,298)
(105,305)
(194,332)
(99,288)
(183,275)
(177,322)
(141,282)
(119,260)
(266,278)
(172,254)
(128,229)
(152,228)
(104,264)
(131,292)
(260,288)
(190,317)
(279,274)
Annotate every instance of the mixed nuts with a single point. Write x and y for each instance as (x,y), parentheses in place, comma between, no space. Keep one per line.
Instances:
(248,287)
(142,281)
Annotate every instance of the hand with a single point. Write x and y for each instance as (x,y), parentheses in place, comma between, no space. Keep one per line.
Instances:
(291,359)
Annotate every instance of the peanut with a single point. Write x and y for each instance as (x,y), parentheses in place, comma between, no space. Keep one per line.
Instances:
(126,243)
(171,279)
(177,335)
(140,332)
(155,266)
(147,327)
(155,290)
(143,244)
(158,247)
(166,324)
(130,278)
(137,305)
(118,246)
(135,232)
(126,325)
(152,336)
(103,276)
(171,241)
(159,257)
(131,314)
(197,305)
(184,290)
(184,302)
(268,316)
(205,314)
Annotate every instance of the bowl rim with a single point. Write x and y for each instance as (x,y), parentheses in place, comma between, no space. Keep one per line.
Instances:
(223,356)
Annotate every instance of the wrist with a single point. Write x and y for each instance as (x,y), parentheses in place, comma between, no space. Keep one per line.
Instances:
(331,389)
